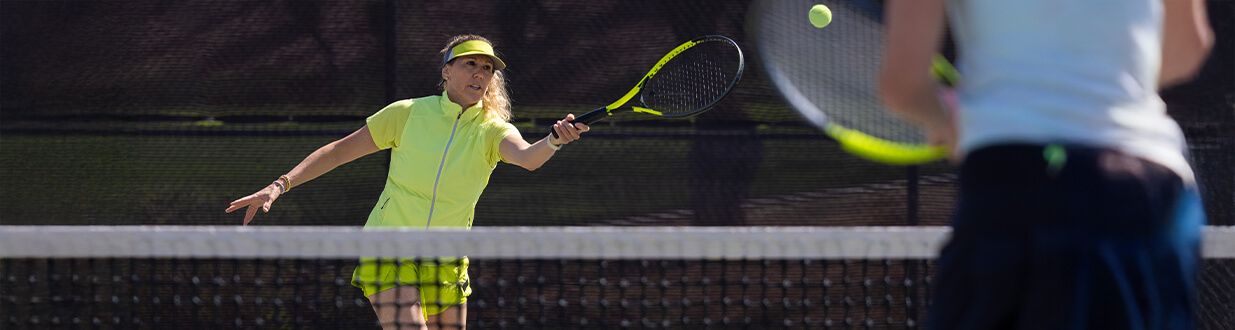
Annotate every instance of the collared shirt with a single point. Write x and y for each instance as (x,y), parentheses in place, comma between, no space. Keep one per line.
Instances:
(441,159)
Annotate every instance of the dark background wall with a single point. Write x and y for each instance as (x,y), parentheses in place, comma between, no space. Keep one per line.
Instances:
(142,112)
(161,112)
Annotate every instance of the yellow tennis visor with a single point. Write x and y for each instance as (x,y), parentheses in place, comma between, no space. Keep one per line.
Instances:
(474,47)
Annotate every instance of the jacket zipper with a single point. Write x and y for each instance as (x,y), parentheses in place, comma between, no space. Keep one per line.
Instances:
(436,180)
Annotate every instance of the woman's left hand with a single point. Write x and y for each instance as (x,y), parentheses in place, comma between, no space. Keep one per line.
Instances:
(944,133)
(567,131)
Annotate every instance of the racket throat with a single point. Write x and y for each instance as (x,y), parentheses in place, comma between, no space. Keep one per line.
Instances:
(647,111)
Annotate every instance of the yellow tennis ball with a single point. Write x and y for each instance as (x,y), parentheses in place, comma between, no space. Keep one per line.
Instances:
(820,16)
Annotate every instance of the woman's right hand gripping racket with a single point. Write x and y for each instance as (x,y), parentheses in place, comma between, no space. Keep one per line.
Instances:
(829,76)
(687,81)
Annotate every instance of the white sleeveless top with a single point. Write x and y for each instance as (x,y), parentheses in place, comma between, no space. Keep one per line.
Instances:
(1052,71)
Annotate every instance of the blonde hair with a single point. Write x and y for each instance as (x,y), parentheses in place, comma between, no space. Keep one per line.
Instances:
(496,99)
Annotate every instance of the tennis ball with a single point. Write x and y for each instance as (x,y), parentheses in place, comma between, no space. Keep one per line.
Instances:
(820,16)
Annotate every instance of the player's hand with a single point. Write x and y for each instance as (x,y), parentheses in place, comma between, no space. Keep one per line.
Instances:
(943,132)
(261,199)
(567,131)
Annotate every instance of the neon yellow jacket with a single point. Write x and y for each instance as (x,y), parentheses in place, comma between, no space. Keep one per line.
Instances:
(440,162)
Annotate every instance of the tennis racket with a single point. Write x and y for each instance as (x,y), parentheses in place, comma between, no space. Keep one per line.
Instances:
(829,76)
(690,79)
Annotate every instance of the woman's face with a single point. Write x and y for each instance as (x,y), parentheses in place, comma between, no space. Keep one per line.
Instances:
(467,78)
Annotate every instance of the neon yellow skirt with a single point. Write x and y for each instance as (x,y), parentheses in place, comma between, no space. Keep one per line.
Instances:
(443,283)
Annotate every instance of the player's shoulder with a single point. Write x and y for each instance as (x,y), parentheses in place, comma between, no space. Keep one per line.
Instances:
(499,126)
(408,103)
(424,99)
(497,123)
(400,105)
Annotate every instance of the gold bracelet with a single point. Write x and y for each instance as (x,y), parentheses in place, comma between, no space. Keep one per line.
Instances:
(287,182)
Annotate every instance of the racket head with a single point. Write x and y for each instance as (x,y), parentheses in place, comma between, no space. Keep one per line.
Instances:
(692,78)
(830,75)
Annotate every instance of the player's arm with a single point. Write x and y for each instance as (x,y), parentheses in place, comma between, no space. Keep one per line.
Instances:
(531,156)
(332,155)
(324,159)
(1186,40)
(914,32)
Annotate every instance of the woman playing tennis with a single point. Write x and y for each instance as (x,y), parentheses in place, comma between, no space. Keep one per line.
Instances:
(443,149)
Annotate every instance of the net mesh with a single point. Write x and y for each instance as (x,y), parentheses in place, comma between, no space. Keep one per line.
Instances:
(657,277)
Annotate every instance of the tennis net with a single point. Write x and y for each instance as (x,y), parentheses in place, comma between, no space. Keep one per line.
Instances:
(544,277)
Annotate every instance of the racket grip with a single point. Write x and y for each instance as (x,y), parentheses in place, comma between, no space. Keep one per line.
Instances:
(587,118)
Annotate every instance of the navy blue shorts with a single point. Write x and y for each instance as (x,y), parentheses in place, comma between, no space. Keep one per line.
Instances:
(1095,239)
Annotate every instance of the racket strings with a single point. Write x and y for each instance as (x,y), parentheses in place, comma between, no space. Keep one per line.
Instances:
(694,79)
(830,75)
